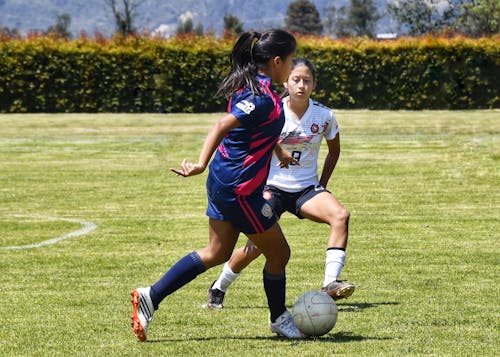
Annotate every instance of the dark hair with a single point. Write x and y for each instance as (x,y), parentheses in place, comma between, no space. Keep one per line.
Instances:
(252,52)
(305,62)
(301,62)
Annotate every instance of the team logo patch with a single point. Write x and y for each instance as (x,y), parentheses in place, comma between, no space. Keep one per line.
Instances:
(245,106)
(314,128)
(267,211)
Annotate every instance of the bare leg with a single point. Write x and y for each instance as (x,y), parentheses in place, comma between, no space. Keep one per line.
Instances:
(273,245)
(325,208)
(242,257)
(223,238)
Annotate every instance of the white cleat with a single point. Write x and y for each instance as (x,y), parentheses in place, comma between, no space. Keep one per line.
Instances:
(285,327)
(142,312)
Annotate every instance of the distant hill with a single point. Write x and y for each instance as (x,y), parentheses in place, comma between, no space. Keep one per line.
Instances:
(95,16)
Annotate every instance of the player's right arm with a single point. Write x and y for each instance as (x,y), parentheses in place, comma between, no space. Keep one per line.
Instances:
(284,157)
(214,138)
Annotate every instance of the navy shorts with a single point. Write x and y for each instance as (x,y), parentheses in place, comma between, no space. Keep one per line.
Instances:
(248,214)
(282,201)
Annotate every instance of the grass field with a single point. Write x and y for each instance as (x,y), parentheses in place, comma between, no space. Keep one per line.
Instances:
(424,250)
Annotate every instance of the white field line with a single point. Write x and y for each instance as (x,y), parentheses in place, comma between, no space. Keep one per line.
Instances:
(87,228)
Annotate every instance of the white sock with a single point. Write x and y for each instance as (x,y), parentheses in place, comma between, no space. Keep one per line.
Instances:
(226,278)
(335,259)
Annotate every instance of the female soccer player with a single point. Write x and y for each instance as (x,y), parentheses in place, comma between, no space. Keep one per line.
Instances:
(244,140)
(297,189)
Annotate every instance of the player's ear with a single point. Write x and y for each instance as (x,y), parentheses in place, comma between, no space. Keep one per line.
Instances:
(277,61)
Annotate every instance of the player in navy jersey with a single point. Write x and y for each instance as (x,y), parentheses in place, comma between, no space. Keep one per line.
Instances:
(243,142)
(297,189)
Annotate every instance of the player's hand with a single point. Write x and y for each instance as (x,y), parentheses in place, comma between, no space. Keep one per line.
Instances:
(188,169)
(286,159)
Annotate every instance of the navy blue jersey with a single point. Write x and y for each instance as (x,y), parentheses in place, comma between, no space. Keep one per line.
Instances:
(241,162)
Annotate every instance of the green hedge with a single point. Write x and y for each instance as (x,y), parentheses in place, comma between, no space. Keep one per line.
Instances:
(423,73)
(41,74)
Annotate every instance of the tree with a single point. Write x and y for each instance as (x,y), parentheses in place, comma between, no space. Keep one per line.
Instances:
(336,21)
(357,19)
(471,17)
(479,18)
(124,15)
(302,17)
(6,32)
(362,17)
(232,25)
(61,27)
(418,17)
(186,26)
(198,30)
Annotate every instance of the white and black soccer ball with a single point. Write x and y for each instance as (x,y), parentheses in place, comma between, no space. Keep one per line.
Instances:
(314,313)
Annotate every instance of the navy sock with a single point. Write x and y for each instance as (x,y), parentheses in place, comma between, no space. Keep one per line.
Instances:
(181,273)
(275,286)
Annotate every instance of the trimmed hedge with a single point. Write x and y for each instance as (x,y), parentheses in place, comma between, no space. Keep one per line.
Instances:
(416,73)
(141,74)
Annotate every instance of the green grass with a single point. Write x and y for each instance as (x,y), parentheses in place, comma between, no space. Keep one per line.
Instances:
(422,188)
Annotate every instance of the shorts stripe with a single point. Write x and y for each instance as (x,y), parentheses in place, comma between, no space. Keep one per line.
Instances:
(250,214)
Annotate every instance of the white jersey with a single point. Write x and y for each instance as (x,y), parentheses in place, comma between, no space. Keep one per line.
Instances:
(302,138)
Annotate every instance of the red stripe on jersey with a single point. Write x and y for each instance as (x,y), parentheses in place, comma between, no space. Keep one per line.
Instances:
(250,214)
(247,187)
(276,113)
(250,159)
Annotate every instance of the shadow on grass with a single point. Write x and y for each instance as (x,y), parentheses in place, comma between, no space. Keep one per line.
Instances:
(343,306)
(339,337)
(355,307)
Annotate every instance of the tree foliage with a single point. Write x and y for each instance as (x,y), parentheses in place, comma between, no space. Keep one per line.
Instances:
(232,25)
(474,18)
(302,17)
(185,27)
(61,27)
(357,19)
(9,33)
(419,17)
(124,15)
(479,18)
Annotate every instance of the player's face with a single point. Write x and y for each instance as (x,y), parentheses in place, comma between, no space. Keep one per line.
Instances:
(284,67)
(300,83)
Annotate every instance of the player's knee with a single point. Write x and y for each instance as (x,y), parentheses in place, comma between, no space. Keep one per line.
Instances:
(344,215)
(286,255)
(212,257)
(340,217)
(279,258)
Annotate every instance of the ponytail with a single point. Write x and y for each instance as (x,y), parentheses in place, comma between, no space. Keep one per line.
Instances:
(243,68)
(251,52)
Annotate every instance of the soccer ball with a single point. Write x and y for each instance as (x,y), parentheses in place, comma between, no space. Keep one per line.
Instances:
(314,313)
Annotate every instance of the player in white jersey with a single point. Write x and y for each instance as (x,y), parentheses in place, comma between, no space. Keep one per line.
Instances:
(294,186)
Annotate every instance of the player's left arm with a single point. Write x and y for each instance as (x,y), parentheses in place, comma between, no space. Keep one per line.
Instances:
(214,137)
(331,160)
